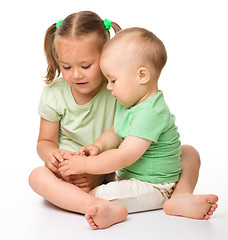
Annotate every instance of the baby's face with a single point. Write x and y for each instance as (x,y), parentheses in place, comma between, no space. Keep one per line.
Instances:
(122,76)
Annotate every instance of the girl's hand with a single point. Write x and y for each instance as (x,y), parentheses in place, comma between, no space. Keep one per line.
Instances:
(86,181)
(89,150)
(54,157)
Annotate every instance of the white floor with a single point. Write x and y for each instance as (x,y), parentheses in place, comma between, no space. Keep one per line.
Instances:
(194,83)
(25,215)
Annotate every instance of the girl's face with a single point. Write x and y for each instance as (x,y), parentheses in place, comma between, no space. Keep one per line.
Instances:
(79,61)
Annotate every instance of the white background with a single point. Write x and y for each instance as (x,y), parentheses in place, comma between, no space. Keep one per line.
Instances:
(194,83)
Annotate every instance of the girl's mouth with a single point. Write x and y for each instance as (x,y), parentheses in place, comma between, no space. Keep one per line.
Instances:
(81,83)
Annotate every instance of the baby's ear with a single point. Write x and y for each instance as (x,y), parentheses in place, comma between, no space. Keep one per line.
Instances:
(143,75)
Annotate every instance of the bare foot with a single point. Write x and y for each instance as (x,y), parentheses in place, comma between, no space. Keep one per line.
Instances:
(191,206)
(104,214)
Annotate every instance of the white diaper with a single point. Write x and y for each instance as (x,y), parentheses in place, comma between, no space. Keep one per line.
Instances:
(136,195)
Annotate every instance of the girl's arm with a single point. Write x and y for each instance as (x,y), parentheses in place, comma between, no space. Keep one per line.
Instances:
(47,145)
(48,138)
(131,149)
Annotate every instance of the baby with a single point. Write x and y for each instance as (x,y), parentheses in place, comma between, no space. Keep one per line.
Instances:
(143,145)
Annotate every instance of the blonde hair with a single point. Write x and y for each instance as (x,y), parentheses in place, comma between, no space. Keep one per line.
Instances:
(74,25)
(147,49)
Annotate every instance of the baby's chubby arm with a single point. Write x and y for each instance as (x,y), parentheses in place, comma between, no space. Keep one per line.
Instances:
(131,149)
(108,140)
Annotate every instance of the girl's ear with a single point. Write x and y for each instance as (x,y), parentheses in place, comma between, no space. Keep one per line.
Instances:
(143,75)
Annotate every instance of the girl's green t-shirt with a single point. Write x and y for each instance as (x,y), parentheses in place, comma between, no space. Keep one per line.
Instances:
(79,124)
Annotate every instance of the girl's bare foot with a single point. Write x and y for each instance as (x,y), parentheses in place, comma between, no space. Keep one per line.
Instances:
(104,214)
(191,206)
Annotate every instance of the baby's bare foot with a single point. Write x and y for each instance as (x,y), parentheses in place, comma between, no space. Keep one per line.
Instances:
(191,206)
(104,214)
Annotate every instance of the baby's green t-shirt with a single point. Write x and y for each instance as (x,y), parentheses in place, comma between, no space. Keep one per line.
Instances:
(151,120)
(79,124)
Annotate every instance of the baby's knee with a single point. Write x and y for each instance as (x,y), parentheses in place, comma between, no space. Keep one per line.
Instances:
(36,177)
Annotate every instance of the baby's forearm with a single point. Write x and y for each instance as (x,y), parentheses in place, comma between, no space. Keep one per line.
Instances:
(108,140)
(108,162)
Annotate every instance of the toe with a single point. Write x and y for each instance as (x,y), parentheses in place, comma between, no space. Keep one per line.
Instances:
(212,198)
(210,213)
(206,217)
(214,205)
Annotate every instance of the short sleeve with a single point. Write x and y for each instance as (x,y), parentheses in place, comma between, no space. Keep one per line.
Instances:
(48,105)
(147,124)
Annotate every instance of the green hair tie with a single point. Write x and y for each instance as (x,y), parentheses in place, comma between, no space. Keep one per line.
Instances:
(58,23)
(107,23)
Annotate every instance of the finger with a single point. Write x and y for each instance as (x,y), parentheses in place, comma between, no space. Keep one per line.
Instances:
(80,181)
(76,176)
(66,178)
(67,156)
(51,167)
(81,151)
(54,161)
(82,185)
(93,153)
(58,156)
(63,152)
(63,170)
(64,163)
(68,172)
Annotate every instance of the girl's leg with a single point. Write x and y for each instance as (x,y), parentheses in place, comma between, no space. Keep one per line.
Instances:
(183,202)
(69,197)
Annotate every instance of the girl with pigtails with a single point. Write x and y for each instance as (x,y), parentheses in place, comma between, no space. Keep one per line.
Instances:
(75,109)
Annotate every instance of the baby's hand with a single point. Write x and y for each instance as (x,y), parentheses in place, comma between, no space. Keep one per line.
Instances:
(72,164)
(89,150)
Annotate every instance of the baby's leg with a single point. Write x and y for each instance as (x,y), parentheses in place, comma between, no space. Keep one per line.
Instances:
(124,196)
(183,202)
(104,214)
(69,197)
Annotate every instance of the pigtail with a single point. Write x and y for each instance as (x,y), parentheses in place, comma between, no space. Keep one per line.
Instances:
(76,24)
(115,27)
(51,55)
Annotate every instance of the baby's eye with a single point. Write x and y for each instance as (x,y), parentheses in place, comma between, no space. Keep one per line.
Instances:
(66,68)
(86,67)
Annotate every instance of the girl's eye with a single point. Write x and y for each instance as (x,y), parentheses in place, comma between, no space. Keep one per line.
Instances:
(86,67)
(113,81)
(66,68)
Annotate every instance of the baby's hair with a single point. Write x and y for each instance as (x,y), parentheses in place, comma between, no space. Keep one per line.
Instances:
(146,47)
(73,26)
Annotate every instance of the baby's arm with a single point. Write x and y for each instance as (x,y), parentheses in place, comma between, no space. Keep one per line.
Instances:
(107,140)
(131,149)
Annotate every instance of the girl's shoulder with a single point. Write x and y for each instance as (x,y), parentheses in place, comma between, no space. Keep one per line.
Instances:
(58,83)
(58,87)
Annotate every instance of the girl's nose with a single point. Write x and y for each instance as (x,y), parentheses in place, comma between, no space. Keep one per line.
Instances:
(77,74)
